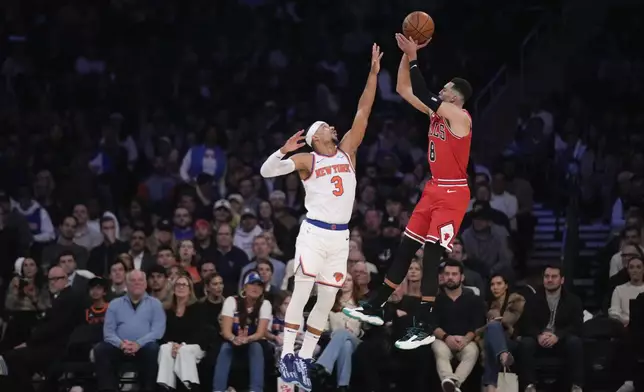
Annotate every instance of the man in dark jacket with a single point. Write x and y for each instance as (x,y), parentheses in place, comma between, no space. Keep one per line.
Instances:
(553,322)
(47,340)
(103,256)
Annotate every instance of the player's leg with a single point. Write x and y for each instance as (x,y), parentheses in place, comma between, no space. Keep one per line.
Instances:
(412,239)
(307,262)
(443,229)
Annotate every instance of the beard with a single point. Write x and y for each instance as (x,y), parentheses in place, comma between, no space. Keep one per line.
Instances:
(451,285)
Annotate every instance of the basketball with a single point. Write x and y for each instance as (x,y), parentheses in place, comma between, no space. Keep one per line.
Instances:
(419,26)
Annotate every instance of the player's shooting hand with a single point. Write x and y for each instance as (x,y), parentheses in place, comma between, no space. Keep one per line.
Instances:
(376,55)
(407,45)
(293,143)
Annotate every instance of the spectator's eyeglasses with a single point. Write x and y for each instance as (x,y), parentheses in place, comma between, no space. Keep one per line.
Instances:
(629,255)
(57,278)
(181,285)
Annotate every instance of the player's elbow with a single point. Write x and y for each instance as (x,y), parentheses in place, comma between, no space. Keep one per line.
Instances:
(265,172)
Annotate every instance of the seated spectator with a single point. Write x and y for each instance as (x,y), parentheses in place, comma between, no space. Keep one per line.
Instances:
(230,259)
(133,325)
(630,240)
(503,200)
(118,287)
(482,201)
(265,270)
(623,294)
(261,252)
(213,301)
(244,322)
(472,277)
(362,278)
(27,291)
(459,314)
(103,255)
(183,341)
(206,269)
(158,286)
(345,337)
(247,231)
(47,340)
(553,322)
(504,310)
(188,259)
(275,335)
(487,241)
(64,242)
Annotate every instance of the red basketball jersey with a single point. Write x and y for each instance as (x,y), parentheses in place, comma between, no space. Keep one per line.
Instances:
(448,154)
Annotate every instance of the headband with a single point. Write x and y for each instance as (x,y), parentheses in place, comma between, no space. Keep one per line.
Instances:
(312,129)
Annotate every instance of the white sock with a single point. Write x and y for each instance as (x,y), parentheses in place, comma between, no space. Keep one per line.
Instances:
(308,345)
(289,341)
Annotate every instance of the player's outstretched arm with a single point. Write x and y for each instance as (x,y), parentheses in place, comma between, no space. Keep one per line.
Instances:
(403,87)
(276,166)
(352,139)
(458,119)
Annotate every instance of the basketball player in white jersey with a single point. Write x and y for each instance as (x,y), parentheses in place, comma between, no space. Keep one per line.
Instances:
(322,247)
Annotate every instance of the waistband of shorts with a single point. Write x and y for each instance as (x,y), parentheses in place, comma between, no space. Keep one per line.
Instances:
(449,182)
(328,226)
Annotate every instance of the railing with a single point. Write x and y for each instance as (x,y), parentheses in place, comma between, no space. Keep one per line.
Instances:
(491,92)
(571,242)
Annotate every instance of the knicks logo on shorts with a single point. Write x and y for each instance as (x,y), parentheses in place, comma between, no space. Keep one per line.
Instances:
(338,276)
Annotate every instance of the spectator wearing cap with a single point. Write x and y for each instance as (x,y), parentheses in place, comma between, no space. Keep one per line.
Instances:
(47,340)
(103,255)
(133,325)
(65,243)
(244,322)
(182,222)
(207,158)
(158,285)
(11,221)
(222,212)
(183,342)
(281,214)
(141,259)
(487,242)
(230,259)
(262,253)
(163,236)
(204,244)
(247,231)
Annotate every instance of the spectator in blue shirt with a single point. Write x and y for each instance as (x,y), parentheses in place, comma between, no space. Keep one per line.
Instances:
(133,325)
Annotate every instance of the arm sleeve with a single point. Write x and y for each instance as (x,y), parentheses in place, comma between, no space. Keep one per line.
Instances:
(276,166)
(419,87)
(185,166)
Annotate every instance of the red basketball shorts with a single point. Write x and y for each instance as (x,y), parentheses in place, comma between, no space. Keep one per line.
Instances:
(438,215)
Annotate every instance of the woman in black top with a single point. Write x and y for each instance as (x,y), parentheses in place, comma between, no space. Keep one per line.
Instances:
(183,340)
(213,301)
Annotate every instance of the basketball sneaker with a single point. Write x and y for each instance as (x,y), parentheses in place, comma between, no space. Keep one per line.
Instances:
(302,367)
(366,313)
(416,336)
(287,369)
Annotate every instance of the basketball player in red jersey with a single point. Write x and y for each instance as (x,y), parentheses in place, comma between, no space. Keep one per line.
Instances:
(438,215)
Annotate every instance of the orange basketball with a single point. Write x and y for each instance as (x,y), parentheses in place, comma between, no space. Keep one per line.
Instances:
(419,26)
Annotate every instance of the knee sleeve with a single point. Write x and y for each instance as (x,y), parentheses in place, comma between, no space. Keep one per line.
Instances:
(320,312)
(301,294)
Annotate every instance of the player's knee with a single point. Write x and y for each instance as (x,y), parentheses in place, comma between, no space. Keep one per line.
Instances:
(326,296)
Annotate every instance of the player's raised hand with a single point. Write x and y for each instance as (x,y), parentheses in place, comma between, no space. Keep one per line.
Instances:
(293,143)
(420,46)
(376,55)
(407,45)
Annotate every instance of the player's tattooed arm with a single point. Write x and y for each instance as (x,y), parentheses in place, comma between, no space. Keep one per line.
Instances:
(352,139)
(276,166)
(403,87)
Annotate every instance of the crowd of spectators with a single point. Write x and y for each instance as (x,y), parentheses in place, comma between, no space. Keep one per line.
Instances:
(137,235)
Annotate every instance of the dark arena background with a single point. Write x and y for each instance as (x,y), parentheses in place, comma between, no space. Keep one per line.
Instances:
(132,133)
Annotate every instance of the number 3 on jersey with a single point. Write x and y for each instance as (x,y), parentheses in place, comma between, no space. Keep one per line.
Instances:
(339,188)
(432,151)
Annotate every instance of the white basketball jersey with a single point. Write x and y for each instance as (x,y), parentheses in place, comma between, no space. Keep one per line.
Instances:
(330,189)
